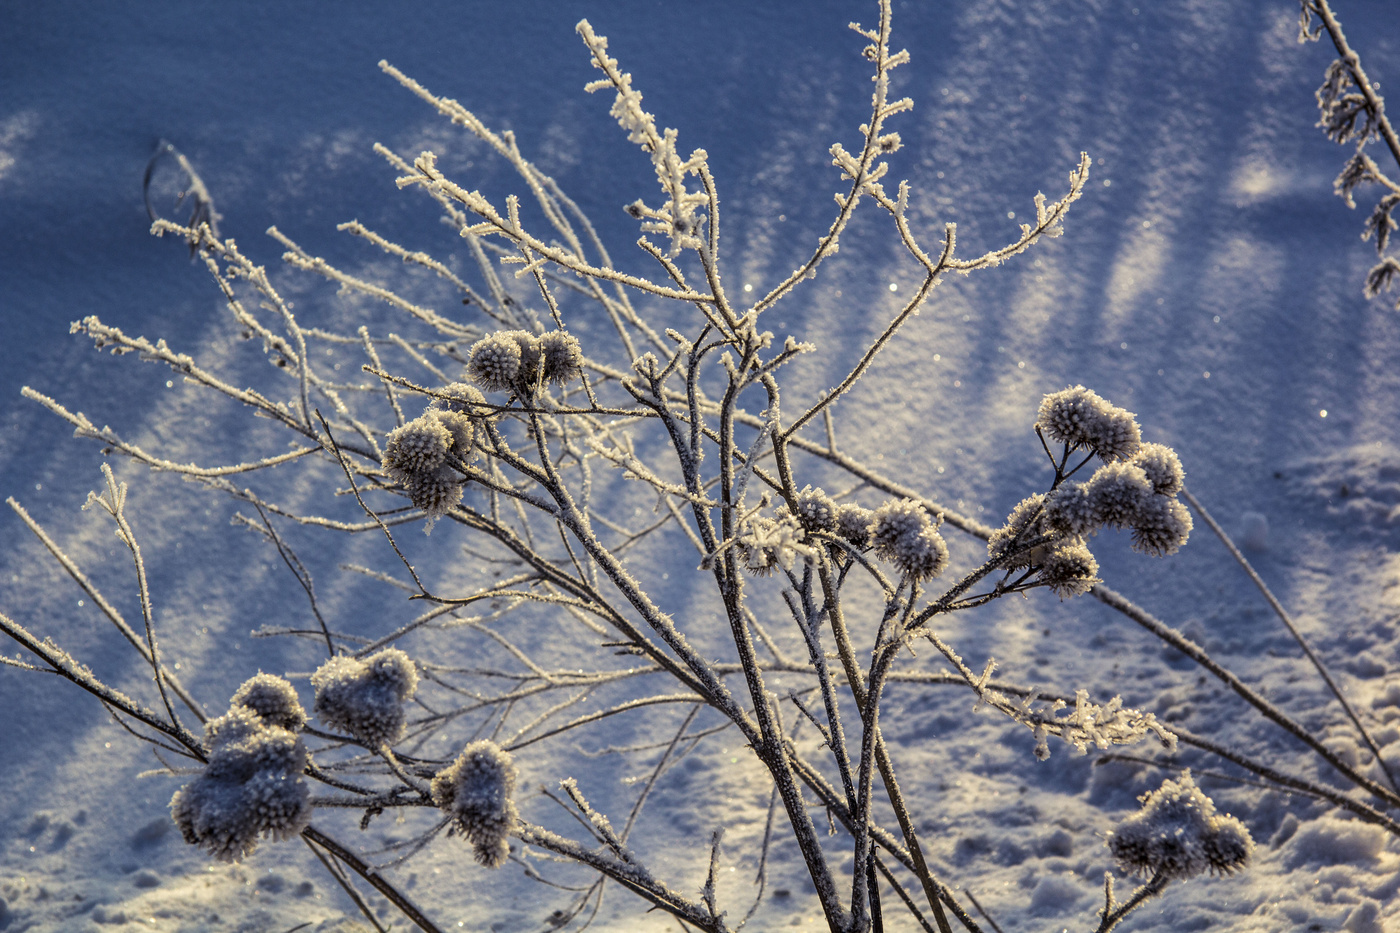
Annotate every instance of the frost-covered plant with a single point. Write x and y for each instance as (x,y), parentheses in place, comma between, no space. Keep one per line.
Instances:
(1178,834)
(477,792)
(1043,541)
(252,784)
(273,698)
(366,697)
(516,360)
(807,606)
(1080,418)
(1175,836)
(903,534)
(1352,111)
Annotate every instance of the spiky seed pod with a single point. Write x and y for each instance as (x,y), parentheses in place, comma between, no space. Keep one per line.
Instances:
(1069,511)
(476,790)
(460,427)
(815,510)
(420,446)
(925,557)
(853,523)
(1162,526)
(251,787)
(1178,834)
(1070,571)
(904,535)
(494,362)
(267,748)
(366,697)
(1081,418)
(436,492)
(531,359)
(230,728)
(563,357)
(1117,492)
(273,699)
(1022,525)
(1163,468)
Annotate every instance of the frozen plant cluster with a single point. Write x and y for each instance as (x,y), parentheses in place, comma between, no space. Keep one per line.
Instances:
(252,784)
(1178,834)
(1135,487)
(569,469)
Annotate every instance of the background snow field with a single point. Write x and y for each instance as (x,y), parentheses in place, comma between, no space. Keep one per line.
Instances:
(1208,280)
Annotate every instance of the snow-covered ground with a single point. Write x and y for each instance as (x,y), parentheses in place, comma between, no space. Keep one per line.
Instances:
(1208,280)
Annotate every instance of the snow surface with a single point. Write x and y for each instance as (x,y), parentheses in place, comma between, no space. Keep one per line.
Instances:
(1208,280)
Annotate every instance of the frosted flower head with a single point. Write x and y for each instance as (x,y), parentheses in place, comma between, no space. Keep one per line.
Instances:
(1178,834)
(904,535)
(853,523)
(420,446)
(563,357)
(1162,467)
(234,726)
(1021,526)
(251,787)
(436,492)
(531,358)
(1068,511)
(273,699)
(494,362)
(267,748)
(476,791)
(1081,418)
(815,510)
(460,427)
(365,697)
(1070,571)
(1117,492)
(1162,526)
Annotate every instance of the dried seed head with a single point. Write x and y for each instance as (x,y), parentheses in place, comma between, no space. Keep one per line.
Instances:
(273,699)
(563,357)
(1117,492)
(1022,525)
(904,535)
(494,362)
(420,446)
(1081,418)
(1162,526)
(1162,466)
(765,544)
(1178,834)
(815,510)
(366,697)
(436,492)
(461,397)
(461,428)
(1070,571)
(853,523)
(251,787)
(1069,511)
(476,791)
(231,728)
